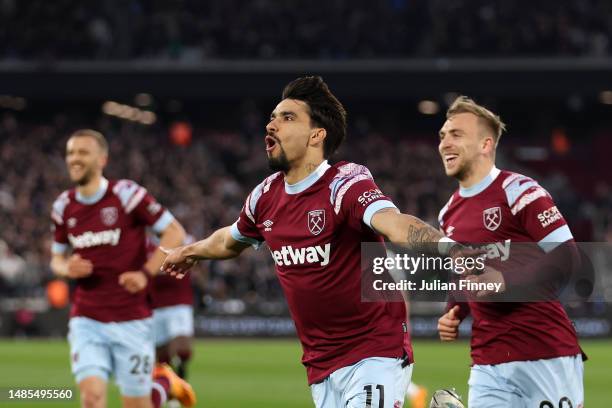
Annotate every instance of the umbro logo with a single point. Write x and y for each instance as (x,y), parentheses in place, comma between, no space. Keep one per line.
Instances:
(268,225)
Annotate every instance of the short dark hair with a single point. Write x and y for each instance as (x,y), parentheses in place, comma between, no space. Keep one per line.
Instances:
(326,111)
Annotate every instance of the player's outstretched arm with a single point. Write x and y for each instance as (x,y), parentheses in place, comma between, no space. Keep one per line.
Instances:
(410,232)
(219,245)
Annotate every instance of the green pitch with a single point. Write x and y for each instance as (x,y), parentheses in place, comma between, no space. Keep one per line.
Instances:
(266,373)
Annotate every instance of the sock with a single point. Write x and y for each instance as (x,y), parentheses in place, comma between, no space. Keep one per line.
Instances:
(159,391)
(181,368)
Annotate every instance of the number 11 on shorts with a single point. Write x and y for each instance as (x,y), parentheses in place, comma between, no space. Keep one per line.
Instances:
(381,395)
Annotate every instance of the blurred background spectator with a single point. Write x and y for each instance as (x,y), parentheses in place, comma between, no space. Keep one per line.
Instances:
(193,30)
(205,181)
(182,90)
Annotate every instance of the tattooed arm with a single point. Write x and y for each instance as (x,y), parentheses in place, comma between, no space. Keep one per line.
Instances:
(410,232)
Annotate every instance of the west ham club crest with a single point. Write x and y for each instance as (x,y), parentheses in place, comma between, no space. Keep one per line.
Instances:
(316,221)
(109,215)
(491,218)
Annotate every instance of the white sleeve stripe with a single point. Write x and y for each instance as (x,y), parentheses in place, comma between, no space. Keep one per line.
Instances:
(268,181)
(235,232)
(558,236)
(60,204)
(135,200)
(514,192)
(335,186)
(254,198)
(57,218)
(345,188)
(527,199)
(125,190)
(59,248)
(512,178)
(247,209)
(374,208)
(443,211)
(162,222)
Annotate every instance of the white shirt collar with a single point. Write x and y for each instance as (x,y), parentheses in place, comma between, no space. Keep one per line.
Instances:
(312,178)
(97,196)
(481,185)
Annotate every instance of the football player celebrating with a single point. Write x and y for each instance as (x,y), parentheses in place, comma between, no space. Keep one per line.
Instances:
(314,217)
(524,354)
(103,222)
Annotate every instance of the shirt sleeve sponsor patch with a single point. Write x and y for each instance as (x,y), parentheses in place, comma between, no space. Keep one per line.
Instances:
(549,216)
(369,195)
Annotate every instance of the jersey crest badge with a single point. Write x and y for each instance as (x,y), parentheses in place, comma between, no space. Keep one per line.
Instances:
(109,215)
(316,221)
(491,218)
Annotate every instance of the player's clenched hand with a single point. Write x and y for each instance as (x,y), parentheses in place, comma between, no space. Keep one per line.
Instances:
(133,281)
(176,264)
(79,267)
(448,325)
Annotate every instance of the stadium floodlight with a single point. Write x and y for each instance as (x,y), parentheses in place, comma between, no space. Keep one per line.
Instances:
(428,107)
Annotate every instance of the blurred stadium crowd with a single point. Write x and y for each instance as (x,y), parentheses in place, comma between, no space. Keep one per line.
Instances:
(204,184)
(193,31)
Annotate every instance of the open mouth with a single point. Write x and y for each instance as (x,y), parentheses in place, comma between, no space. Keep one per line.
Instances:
(270,143)
(450,159)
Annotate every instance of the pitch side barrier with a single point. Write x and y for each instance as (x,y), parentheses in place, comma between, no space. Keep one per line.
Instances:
(498,272)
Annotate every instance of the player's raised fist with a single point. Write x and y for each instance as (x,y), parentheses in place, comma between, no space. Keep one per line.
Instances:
(133,281)
(448,325)
(78,267)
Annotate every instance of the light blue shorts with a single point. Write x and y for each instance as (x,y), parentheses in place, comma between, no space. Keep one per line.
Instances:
(550,383)
(122,349)
(376,382)
(172,321)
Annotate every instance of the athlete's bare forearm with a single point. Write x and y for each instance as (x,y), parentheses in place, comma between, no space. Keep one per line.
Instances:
(172,237)
(59,265)
(219,245)
(408,231)
(418,235)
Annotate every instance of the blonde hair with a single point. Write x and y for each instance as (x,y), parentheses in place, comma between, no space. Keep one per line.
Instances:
(99,137)
(463,104)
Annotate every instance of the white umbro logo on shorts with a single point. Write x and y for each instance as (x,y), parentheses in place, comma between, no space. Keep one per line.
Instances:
(268,224)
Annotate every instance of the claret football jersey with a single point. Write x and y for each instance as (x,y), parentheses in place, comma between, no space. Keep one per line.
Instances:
(314,231)
(502,209)
(108,229)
